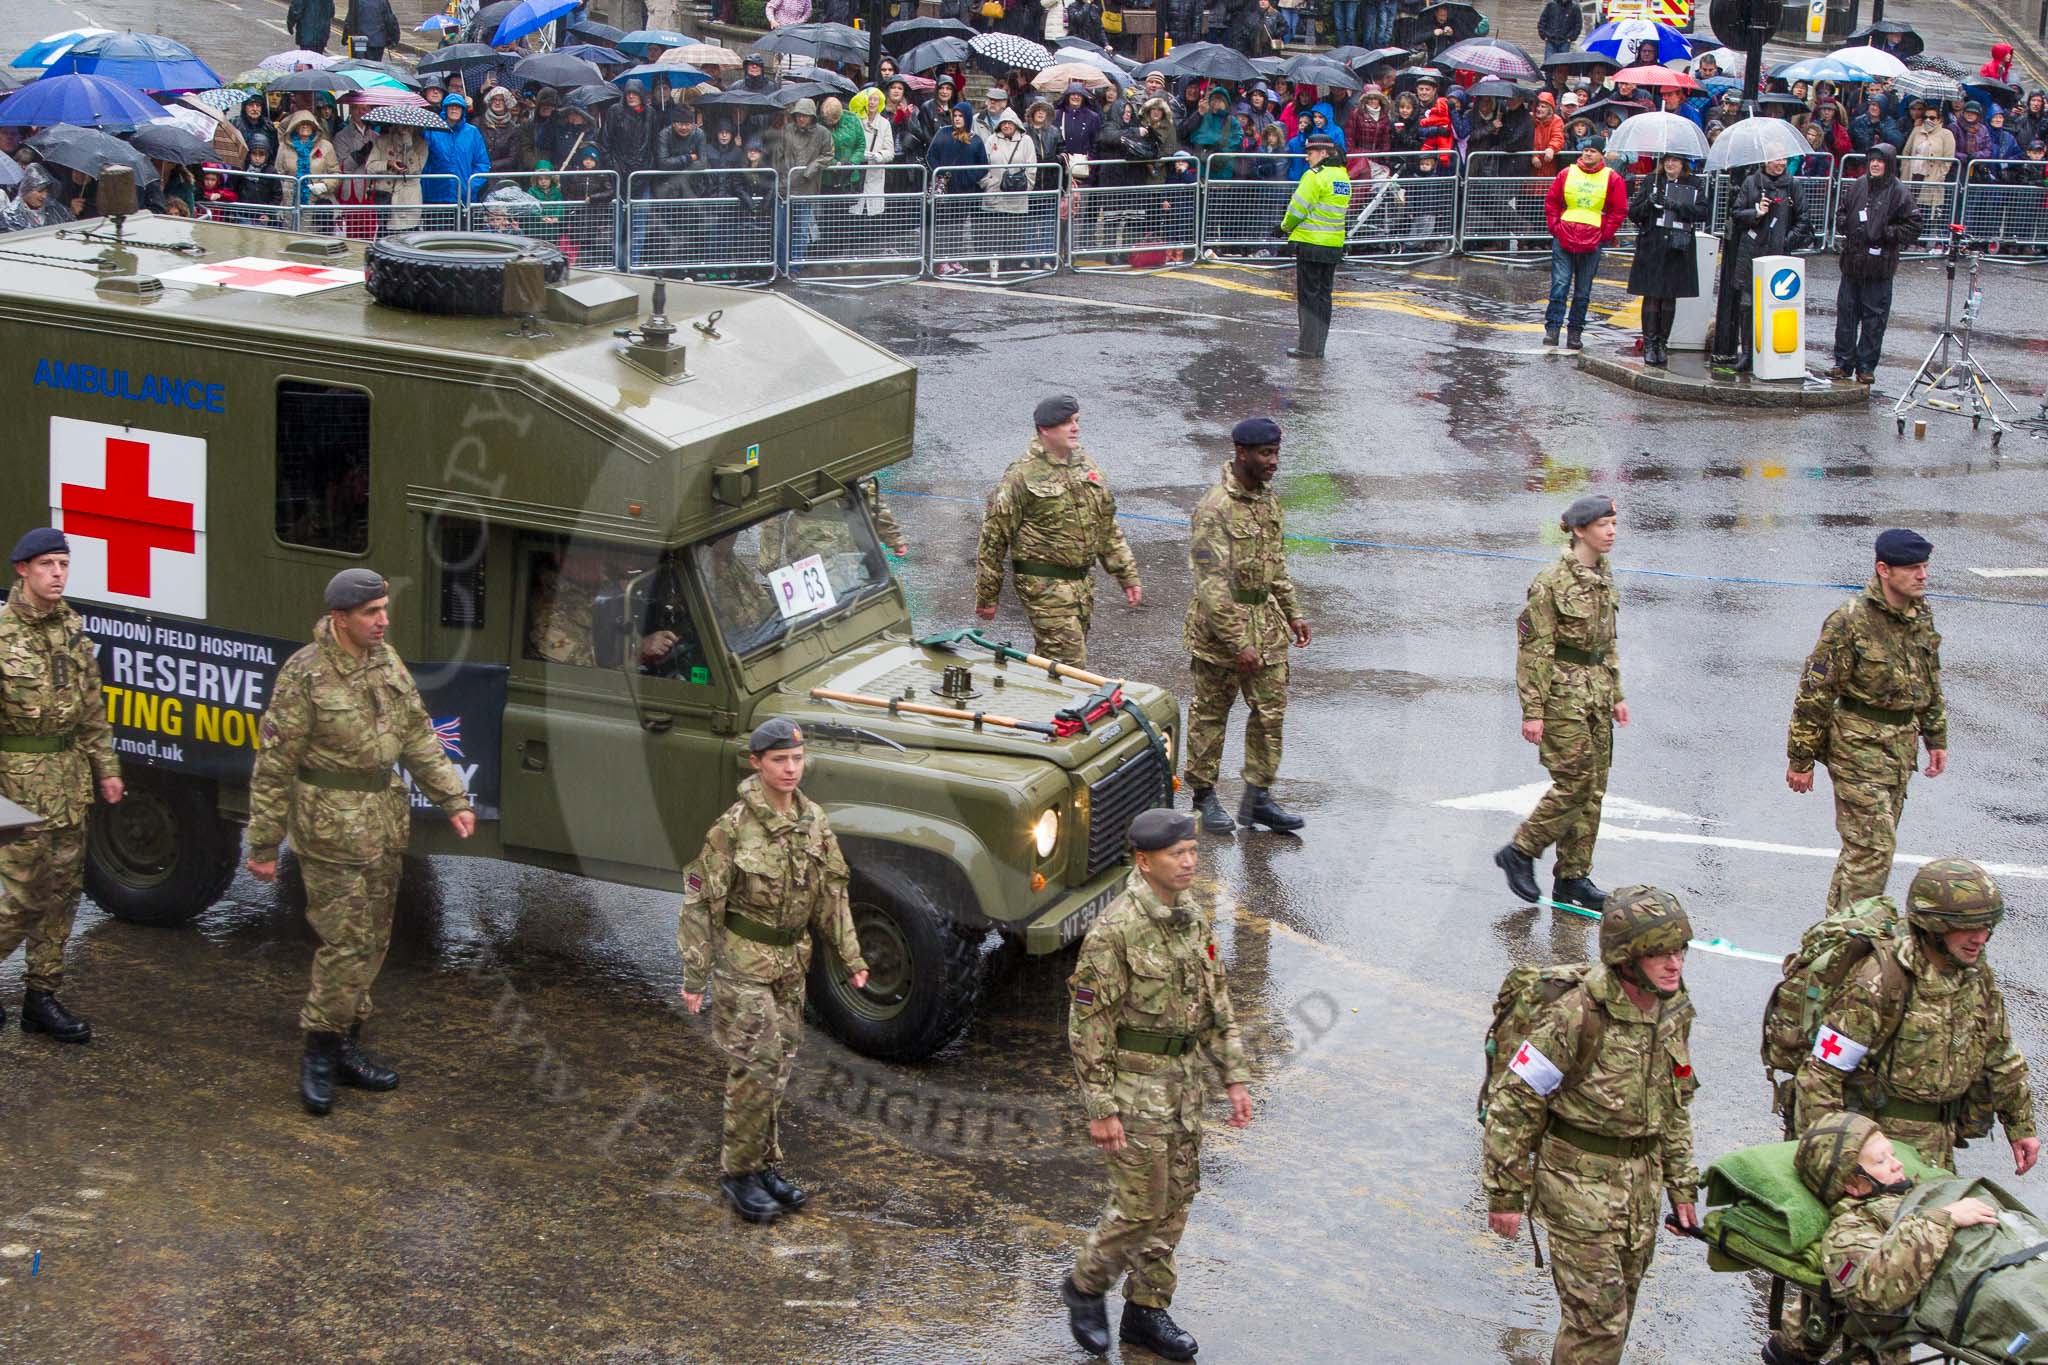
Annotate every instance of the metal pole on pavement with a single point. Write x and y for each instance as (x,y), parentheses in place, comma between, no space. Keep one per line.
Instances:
(1729,299)
(877,14)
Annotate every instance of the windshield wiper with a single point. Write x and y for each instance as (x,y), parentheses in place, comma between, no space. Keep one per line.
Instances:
(832,729)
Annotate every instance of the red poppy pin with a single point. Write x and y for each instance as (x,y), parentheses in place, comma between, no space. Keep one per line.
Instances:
(1095,476)
(1212,952)
(1681,1071)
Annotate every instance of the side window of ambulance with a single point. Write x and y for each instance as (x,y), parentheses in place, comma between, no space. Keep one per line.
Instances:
(323,466)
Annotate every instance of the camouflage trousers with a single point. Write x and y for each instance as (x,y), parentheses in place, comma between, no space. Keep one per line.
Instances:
(41,875)
(1577,751)
(1059,610)
(349,906)
(1151,1183)
(1597,1276)
(1217,686)
(757,1026)
(1867,817)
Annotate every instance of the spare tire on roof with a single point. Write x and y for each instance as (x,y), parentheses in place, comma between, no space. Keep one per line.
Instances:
(452,272)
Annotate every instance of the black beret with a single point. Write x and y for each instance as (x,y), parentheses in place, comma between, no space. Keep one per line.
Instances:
(1161,828)
(1256,431)
(351,588)
(779,733)
(44,540)
(1899,547)
(1055,411)
(1587,510)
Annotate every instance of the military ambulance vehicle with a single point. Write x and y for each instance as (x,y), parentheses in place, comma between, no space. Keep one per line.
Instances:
(616,544)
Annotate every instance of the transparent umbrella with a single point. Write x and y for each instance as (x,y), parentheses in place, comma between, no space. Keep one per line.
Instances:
(1754,141)
(1657,134)
(1874,62)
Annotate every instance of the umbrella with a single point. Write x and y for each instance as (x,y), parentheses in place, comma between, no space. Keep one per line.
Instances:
(1573,60)
(1464,20)
(1598,109)
(1718,86)
(823,42)
(1727,58)
(787,95)
(1102,65)
(1307,70)
(549,68)
(1657,134)
(83,101)
(1790,103)
(530,16)
(89,152)
(357,70)
(460,55)
(1620,38)
(591,52)
(1056,78)
(142,60)
(1756,140)
(486,20)
(591,31)
(702,54)
(832,81)
(1929,85)
(438,23)
(1487,56)
(10,172)
(1655,78)
(227,99)
(677,74)
(296,58)
(905,34)
(1001,53)
(252,80)
(1911,46)
(378,99)
(1396,55)
(935,54)
(374,80)
(10,79)
(589,97)
(169,142)
(43,51)
(209,125)
(314,82)
(1873,63)
(1820,69)
(1491,87)
(642,41)
(1955,71)
(739,99)
(2003,94)
(405,116)
(1211,61)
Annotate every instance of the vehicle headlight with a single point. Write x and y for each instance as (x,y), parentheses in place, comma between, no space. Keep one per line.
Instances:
(1046,833)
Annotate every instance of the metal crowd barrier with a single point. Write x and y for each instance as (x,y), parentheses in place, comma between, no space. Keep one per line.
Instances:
(366,207)
(1130,224)
(714,225)
(1503,217)
(1404,206)
(249,187)
(584,223)
(1816,201)
(2007,202)
(1244,197)
(1013,234)
(843,239)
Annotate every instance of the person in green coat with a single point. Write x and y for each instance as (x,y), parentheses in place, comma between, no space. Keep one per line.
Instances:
(849,144)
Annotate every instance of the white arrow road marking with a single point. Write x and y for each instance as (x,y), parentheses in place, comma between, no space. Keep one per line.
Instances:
(1522,800)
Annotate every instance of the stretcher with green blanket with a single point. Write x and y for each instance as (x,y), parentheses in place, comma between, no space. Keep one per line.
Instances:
(1987,1304)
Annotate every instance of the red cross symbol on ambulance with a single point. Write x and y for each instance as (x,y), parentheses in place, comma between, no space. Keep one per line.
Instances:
(133,505)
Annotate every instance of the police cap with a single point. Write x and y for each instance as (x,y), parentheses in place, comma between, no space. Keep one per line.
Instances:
(1322,140)
(1256,431)
(43,540)
(1055,411)
(351,588)
(1898,547)
(779,733)
(1587,510)
(1161,828)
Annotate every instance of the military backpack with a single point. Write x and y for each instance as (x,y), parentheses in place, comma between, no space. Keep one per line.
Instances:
(1813,976)
(1523,994)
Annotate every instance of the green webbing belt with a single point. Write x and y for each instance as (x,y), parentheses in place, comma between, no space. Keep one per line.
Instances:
(345,780)
(1251,597)
(1579,656)
(757,932)
(1600,1144)
(1040,568)
(1150,1040)
(1876,713)
(34,744)
(1919,1111)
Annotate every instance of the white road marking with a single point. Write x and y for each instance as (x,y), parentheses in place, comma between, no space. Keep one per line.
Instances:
(821,1303)
(107,1173)
(1522,800)
(811,1251)
(14,1251)
(2010,573)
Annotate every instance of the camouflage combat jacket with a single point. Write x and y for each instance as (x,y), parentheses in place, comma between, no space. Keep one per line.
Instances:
(886,528)
(50,687)
(563,614)
(1151,966)
(1243,596)
(1638,1083)
(332,712)
(782,871)
(1878,1262)
(1952,1032)
(1875,654)
(1577,608)
(1056,511)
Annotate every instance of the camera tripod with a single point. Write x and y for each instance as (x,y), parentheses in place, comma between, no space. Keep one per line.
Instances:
(1950,366)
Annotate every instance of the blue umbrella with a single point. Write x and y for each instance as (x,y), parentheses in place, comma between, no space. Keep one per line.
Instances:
(1819,69)
(84,101)
(593,52)
(439,23)
(1619,38)
(531,16)
(46,50)
(678,74)
(143,60)
(642,41)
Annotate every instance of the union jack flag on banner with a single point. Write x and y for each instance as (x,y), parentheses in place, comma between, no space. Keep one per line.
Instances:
(449,732)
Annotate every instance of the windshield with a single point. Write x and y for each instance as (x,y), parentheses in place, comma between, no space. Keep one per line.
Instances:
(773,575)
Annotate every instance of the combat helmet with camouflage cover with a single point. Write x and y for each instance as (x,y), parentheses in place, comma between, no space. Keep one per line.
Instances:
(1639,922)
(1953,893)
(1831,1152)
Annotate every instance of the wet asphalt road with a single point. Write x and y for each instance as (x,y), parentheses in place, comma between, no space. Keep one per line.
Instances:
(540,1187)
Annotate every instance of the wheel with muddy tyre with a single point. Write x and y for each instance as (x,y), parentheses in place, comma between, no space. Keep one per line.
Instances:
(924,971)
(161,855)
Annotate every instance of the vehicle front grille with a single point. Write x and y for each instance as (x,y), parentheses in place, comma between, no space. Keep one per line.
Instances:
(1116,800)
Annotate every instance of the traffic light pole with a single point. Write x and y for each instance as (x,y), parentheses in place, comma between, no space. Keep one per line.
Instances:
(878,11)
(1727,311)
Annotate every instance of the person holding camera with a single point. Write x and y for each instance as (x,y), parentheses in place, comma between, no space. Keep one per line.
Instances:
(1877,217)
(1769,221)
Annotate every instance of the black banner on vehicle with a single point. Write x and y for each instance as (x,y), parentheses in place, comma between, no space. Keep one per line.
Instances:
(189,698)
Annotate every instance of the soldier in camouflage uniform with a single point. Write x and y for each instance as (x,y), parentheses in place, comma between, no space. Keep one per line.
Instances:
(55,747)
(769,877)
(1050,519)
(1920,1042)
(1568,674)
(1151,1015)
(1870,696)
(343,713)
(562,624)
(1590,1124)
(1877,1261)
(1239,623)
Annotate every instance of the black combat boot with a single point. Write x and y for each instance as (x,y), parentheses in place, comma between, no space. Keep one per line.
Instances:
(1087,1319)
(1521,870)
(316,1072)
(1777,1353)
(43,1012)
(1549,336)
(780,1190)
(1215,819)
(1257,807)
(353,1068)
(749,1200)
(1578,891)
(1156,1332)
(1574,340)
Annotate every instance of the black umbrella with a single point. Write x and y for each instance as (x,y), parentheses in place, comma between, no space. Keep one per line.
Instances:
(1414,75)
(488,18)
(1396,55)
(1464,21)
(169,142)
(905,34)
(591,52)
(405,116)
(1498,89)
(739,99)
(1790,103)
(830,81)
(825,42)
(90,151)
(1210,61)
(313,83)
(1912,44)
(934,54)
(2005,95)
(1268,66)
(1311,70)
(591,31)
(589,97)
(460,57)
(1071,41)
(551,68)
(1578,59)
(1626,108)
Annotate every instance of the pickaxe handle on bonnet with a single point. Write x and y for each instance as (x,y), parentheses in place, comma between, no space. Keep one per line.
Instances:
(895,705)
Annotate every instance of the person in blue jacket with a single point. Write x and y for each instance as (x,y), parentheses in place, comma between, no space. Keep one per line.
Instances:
(459,152)
(1321,120)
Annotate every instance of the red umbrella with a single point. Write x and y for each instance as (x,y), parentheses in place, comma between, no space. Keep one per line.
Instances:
(1656,78)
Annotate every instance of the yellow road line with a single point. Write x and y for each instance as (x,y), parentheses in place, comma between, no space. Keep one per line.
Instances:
(1387,301)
